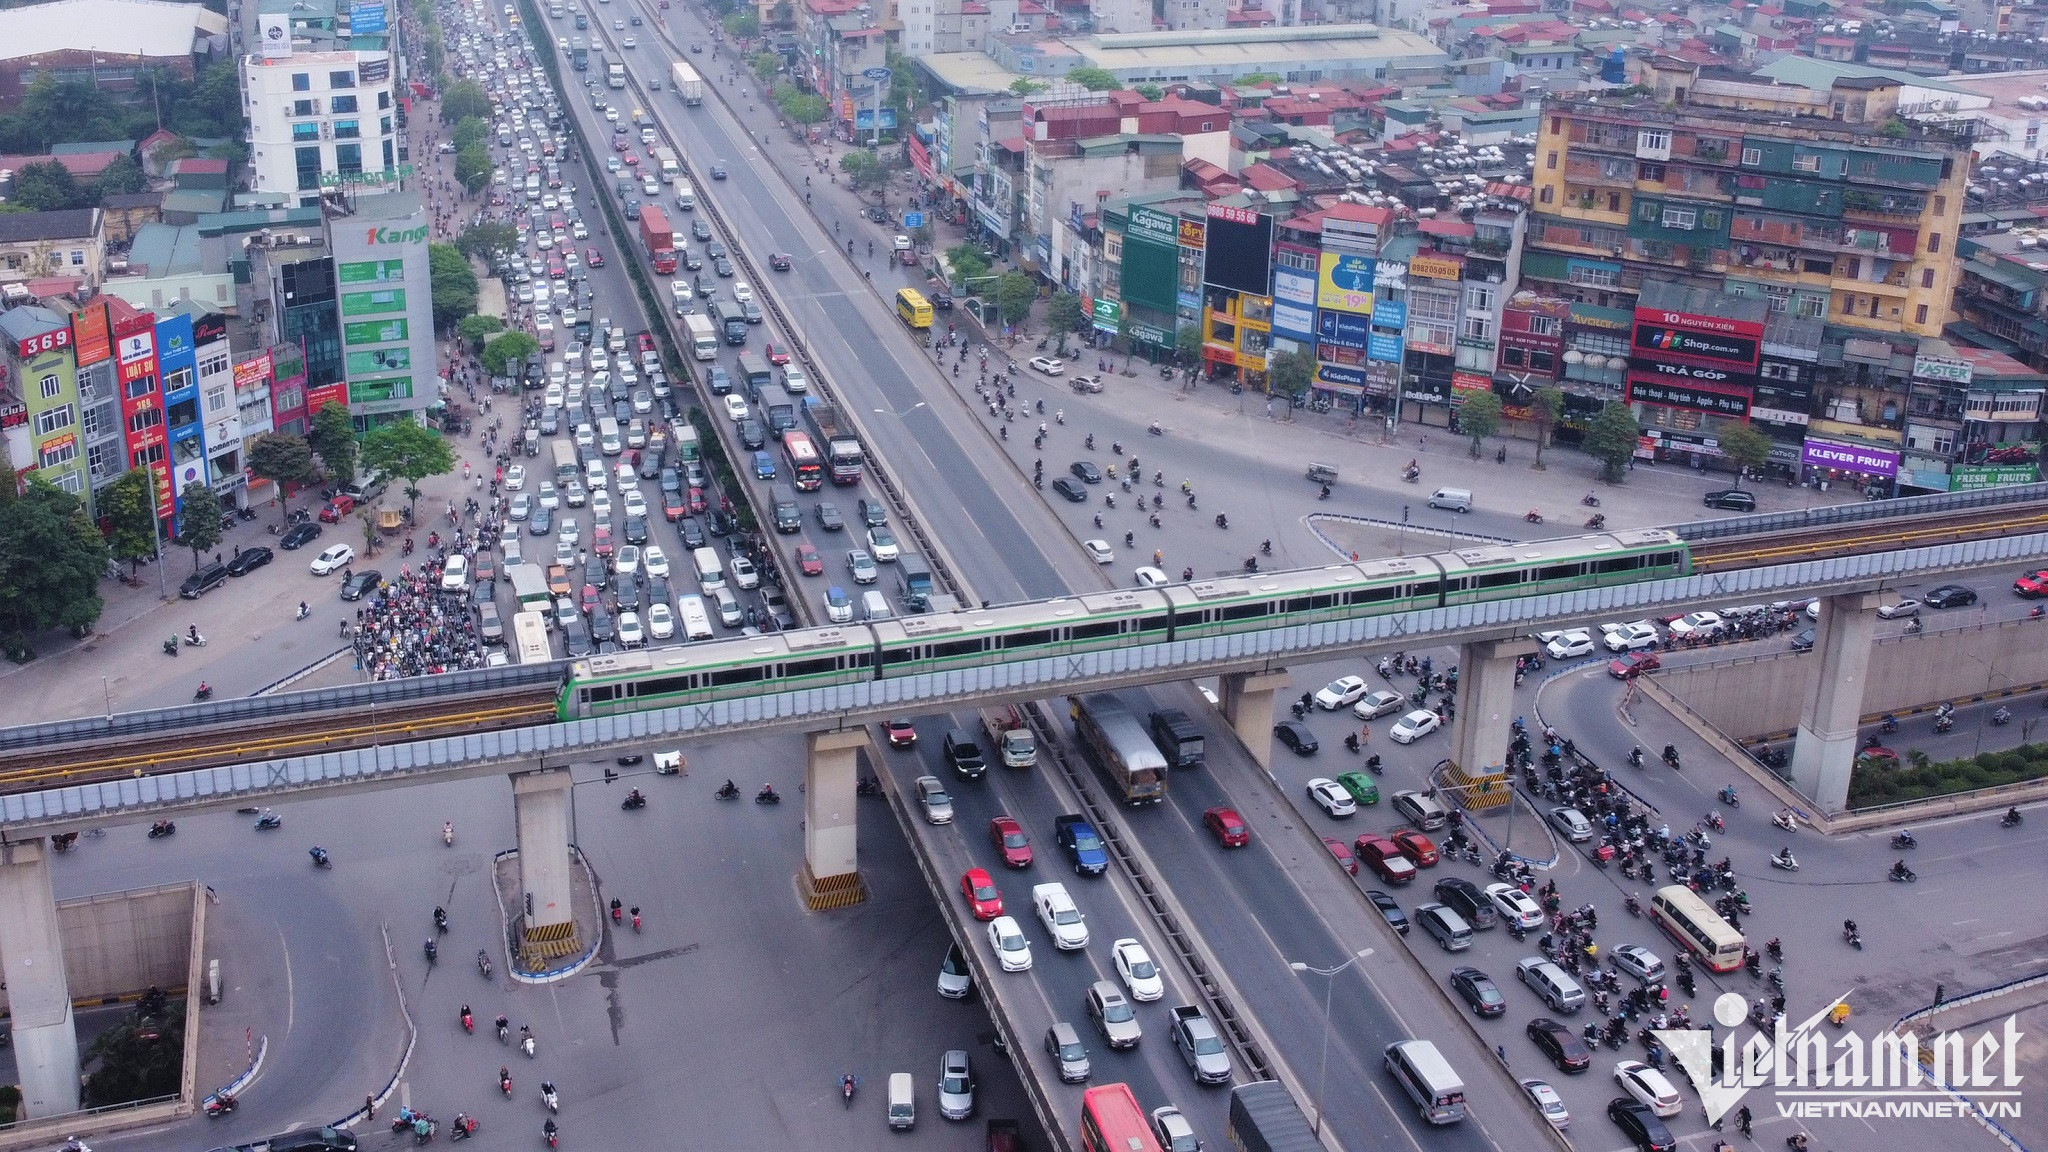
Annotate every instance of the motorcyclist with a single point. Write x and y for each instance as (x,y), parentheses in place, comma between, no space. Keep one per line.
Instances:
(2012,815)
(192,634)
(730,789)
(767,790)
(1899,868)
(504,1027)
(1784,856)
(468,1021)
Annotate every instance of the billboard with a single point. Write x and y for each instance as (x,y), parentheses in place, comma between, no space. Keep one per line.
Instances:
(1663,339)
(1151,260)
(1694,322)
(1345,282)
(1849,457)
(374,72)
(252,373)
(1680,395)
(1434,267)
(92,334)
(1238,252)
(275,30)
(1294,313)
(1343,330)
(366,16)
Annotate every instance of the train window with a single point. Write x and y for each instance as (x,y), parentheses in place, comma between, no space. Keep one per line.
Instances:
(900,656)
(666,685)
(594,695)
(1561,572)
(1190,618)
(1618,564)
(1097,630)
(1499,579)
(1460,584)
(743,675)
(1152,624)
(1423,588)
(1666,560)
(1027,639)
(815,667)
(1371,595)
(1244,611)
(861,659)
(955,648)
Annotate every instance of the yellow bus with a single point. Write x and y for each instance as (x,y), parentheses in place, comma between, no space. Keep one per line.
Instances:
(913,307)
(1688,920)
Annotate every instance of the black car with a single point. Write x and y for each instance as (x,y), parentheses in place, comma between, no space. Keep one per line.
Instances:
(700,229)
(1802,641)
(1396,919)
(650,465)
(1071,488)
(829,518)
(943,301)
(875,214)
(488,624)
(248,560)
(601,627)
(692,532)
(716,250)
(594,572)
(780,261)
(752,436)
(722,266)
(361,584)
(1479,991)
(1640,1125)
(1465,898)
(1297,736)
(671,480)
(1731,500)
(718,523)
(483,592)
(718,380)
(203,581)
(1086,471)
(636,529)
(1949,596)
(299,535)
(575,637)
(1560,1045)
(872,513)
(718,171)
(691,260)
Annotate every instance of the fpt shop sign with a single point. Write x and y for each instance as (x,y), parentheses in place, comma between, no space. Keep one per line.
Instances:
(1655,339)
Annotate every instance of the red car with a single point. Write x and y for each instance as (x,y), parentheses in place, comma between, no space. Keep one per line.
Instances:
(593,257)
(2033,585)
(1634,665)
(672,506)
(632,161)
(1228,827)
(901,732)
(643,342)
(619,144)
(1009,838)
(1342,852)
(697,504)
(807,561)
(1415,846)
(336,508)
(589,599)
(779,261)
(557,269)
(778,354)
(982,894)
(601,542)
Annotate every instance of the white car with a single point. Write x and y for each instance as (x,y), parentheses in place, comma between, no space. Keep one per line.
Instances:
(1415,725)
(1514,905)
(742,291)
(938,808)
(455,573)
(1649,1086)
(1378,704)
(1134,965)
(1696,624)
(654,560)
(627,561)
(522,507)
(634,503)
(735,407)
(1575,643)
(1638,962)
(1099,551)
(1548,1103)
(1339,692)
(1630,637)
(661,623)
(1572,823)
(1906,607)
(742,571)
(882,543)
(1061,918)
(337,557)
(515,478)
(1332,797)
(1013,951)
(1148,577)
(1048,366)
(601,502)
(547,496)
(630,635)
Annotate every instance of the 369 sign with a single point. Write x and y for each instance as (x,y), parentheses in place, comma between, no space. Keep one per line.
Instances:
(46,342)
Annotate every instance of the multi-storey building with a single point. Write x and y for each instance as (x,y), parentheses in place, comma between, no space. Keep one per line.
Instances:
(319,99)
(1819,205)
(386,304)
(35,349)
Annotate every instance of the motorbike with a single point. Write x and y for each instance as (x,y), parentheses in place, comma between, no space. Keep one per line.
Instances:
(1786,861)
(730,791)
(1905,840)
(194,640)
(205,691)
(170,647)
(547,1095)
(2001,718)
(220,1104)
(634,801)
(505,1082)
(268,821)
(1372,763)
(1889,725)
(1533,516)
(1944,723)
(468,1020)
(1634,906)
(302,612)
(433,952)
(2011,819)
(767,795)
(1412,475)
(161,829)
(550,1133)
(1590,500)
(1715,822)
(526,1042)
(847,1084)
(483,965)
(448,833)
(1597,521)
(441,920)
(1902,873)
(1786,820)
(868,786)
(319,855)
(1671,756)
(462,1128)
(1729,798)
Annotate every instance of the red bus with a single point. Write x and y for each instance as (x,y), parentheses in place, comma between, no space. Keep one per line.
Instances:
(1111,1121)
(805,464)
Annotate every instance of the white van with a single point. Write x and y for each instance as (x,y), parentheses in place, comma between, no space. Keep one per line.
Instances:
(1428,1079)
(1451,499)
(729,613)
(696,621)
(710,574)
(686,196)
(608,440)
(873,605)
(902,1102)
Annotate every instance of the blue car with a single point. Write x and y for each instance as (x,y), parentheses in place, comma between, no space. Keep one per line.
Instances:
(1082,845)
(764,466)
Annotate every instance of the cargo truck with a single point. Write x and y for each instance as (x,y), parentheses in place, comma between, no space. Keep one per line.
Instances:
(1178,738)
(916,577)
(614,74)
(1010,736)
(835,439)
(687,84)
(566,468)
(1119,746)
(529,587)
(658,238)
(666,163)
(579,54)
(1265,1118)
(703,339)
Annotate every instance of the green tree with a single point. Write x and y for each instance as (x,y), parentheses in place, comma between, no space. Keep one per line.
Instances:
(283,460)
(1022,87)
(453,283)
(507,351)
(51,561)
(967,262)
(479,242)
(53,111)
(123,177)
(862,169)
(472,130)
(1548,407)
(141,1058)
(200,522)
(799,105)
(47,186)
(129,509)
(464,99)
(764,65)
(1187,345)
(1291,374)
(334,439)
(1746,446)
(410,451)
(1149,91)
(1094,79)
(473,167)
(1479,414)
(1257,79)
(1611,439)
(742,25)
(1015,293)
(477,329)
(371,536)
(1063,313)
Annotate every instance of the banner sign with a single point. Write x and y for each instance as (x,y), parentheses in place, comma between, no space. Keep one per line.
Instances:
(1345,282)
(1849,457)
(1663,338)
(1685,396)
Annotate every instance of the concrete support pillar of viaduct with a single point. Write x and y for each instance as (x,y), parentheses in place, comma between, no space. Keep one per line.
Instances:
(1248,705)
(831,875)
(38,994)
(1826,749)
(1486,703)
(540,806)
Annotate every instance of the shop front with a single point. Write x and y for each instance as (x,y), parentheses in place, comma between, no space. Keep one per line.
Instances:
(1870,467)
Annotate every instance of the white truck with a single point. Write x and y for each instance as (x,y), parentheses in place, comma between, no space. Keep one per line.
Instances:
(703,338)
(687,83)
(1011,737)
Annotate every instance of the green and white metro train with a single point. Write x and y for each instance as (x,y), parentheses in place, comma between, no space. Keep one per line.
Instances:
(1092,621)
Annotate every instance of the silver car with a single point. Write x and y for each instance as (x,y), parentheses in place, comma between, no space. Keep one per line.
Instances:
(1113,1015)
(1064,1045)
(938,807)
(956,1085)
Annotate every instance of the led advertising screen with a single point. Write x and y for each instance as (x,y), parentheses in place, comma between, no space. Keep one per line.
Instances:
(1238,251)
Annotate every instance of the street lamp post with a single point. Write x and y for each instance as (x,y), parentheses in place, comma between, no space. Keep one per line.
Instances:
(1329,976)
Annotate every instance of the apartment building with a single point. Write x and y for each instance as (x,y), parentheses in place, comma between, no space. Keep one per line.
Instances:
(319,99)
